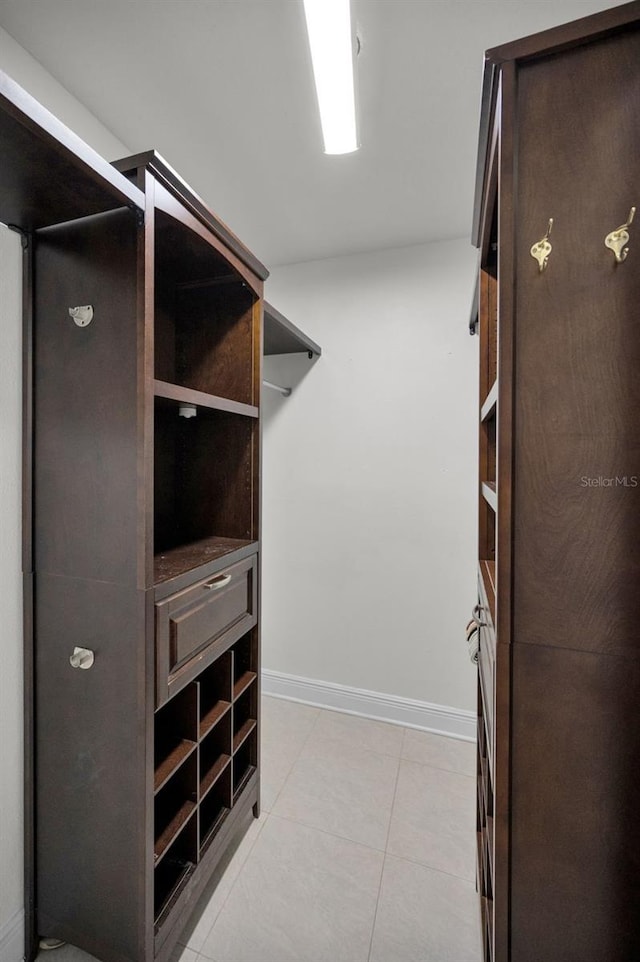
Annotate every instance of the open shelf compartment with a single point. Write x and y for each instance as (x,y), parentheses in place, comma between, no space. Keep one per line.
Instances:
(204,316)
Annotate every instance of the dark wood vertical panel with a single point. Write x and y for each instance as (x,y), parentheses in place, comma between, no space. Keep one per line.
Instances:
(91,775)
(507,120)
(85,480)
(145,285)
(578,445)
(575,803)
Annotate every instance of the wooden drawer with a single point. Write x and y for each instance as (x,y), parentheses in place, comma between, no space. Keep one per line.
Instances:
(195,625)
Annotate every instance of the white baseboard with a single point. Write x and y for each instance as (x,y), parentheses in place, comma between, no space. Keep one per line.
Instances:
(12,938)
(454,722)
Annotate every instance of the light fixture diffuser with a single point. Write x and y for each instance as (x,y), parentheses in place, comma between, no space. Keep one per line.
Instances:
(330,40)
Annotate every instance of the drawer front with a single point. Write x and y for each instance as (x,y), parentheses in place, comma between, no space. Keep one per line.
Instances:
(196,624)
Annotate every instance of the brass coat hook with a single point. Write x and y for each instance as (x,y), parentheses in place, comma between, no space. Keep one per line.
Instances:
(617,239)
(542,249)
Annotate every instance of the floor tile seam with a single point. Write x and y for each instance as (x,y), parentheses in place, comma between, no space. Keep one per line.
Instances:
(231,888)
(386,843)
(324,831)
(432,868)
(295,761)
(438,768)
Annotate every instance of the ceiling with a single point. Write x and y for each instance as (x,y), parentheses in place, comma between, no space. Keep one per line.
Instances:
(223,90)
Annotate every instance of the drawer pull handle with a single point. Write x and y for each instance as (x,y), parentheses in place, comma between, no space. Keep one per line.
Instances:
(218,582)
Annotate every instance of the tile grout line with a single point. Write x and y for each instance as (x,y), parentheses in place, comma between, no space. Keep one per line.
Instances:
(386,842)
(293,764)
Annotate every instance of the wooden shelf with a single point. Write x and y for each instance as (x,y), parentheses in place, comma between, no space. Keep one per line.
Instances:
(213,716)
(182,874)
(186,395)
(172,763)
(490,403)
(243,683)
(243,733)
(163,842)
(213,774)
(48,175)
(176,561)
(488,575)
(490,494)
(283,337)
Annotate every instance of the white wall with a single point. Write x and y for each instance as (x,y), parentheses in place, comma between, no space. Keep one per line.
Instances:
(11,900)
(20,66)
(369,505)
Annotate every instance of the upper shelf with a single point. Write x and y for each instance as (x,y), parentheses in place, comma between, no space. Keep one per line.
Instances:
(283,337)
(167,176)
(47,174)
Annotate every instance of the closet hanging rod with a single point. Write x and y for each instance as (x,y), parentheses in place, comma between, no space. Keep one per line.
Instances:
(285,391)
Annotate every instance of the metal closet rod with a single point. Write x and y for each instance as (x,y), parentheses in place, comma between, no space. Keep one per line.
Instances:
(285,391)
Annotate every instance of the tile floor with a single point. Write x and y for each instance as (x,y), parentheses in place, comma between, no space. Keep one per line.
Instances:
(364,851)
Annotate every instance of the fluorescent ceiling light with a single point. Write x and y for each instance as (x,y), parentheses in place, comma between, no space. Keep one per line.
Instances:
(330,39)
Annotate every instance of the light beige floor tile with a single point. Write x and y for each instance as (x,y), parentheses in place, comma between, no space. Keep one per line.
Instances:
(433,819)
(184,955)
(285,729)
(425,916)
(451,754)
(335,730)
(211,902)
(302,896)
(346,792)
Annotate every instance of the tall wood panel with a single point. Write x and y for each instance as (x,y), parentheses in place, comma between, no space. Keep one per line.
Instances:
(559,493)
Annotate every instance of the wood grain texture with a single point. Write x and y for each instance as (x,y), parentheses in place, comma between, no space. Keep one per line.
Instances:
(91,772)
(575,800)
(577,523)
(85,414)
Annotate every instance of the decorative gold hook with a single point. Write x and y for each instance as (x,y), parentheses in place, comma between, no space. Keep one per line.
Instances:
(617,239)
(542,249)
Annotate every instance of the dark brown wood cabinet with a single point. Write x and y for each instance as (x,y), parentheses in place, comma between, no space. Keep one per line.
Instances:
(559,555)
(142,373)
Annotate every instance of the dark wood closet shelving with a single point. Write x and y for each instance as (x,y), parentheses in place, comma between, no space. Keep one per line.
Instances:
(243,683)
(185,395)
(172,830)
(176,561)
(489,407)
(489,494)
(212,775)
(213,716)
(243,733)
(141,537)
(558,680)
(172,763)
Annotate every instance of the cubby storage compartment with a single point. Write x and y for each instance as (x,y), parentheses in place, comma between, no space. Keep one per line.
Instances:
(173,806)
(215,693)
(215,754)
(244,674)
(244,717)
(245,760)
(175,734)
(215,807)
(173,871)
(203,480)
(204,317)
